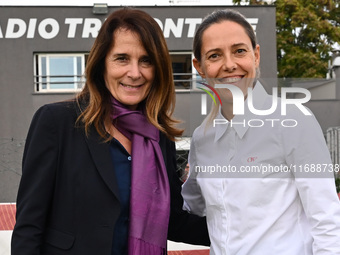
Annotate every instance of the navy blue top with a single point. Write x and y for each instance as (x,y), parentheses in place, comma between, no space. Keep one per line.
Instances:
(122,167)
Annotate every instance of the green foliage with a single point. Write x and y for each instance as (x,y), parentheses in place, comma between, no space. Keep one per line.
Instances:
(306,32)
(337,184)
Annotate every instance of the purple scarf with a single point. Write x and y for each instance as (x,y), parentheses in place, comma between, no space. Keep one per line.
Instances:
(150,191)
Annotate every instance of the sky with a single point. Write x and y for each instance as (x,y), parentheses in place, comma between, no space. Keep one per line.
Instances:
(112,2)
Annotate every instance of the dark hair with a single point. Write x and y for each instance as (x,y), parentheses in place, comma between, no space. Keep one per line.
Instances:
(159,104)
(218,17)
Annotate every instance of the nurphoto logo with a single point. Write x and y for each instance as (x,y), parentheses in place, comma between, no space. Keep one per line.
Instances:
(238,104)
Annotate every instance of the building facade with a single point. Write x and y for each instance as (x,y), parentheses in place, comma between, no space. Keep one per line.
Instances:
(43,57)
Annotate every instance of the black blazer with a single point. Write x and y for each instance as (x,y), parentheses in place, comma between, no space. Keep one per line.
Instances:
(68,199)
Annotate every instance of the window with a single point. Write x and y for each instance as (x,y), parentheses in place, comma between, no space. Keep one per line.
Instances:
(59,72)
(182,68)
(65,72)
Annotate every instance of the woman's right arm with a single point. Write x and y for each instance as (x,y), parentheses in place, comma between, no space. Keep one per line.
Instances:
(37,183)
(191,192)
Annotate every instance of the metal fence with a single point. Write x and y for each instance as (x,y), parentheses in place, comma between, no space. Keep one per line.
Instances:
(182,152)
(333,143)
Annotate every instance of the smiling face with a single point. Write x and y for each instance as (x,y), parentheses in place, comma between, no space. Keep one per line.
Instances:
(129,72)
(228,58)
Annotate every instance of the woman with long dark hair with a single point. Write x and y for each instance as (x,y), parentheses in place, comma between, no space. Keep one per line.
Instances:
(99,171)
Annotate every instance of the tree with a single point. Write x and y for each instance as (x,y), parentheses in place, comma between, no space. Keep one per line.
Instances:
(306,33)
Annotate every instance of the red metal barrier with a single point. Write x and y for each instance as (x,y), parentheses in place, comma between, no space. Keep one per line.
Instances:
(7,216)
(195,252)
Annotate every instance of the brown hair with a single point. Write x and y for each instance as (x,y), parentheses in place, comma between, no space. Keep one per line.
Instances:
(160,102)
(218,17)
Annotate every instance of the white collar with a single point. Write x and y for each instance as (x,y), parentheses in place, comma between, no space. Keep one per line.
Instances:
(259,97)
